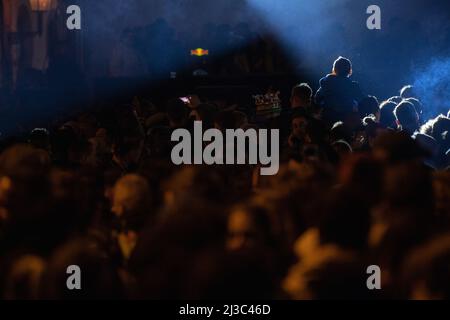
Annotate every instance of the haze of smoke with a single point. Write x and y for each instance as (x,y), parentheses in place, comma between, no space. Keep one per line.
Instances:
(433,86)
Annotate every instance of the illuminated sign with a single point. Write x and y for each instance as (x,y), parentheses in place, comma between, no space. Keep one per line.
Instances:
(267,105)
(199,52)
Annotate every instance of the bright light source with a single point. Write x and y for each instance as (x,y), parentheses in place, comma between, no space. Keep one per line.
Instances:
(199,52)
(43,5)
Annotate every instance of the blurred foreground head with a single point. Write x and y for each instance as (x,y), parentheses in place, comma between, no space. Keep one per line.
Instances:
(426,270)
(24,183)
(397,147)
(131,200)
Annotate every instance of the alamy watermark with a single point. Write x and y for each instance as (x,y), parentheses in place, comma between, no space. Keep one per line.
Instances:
(73,281)
(235,146)
(74,20)
(374,280)
(374,20)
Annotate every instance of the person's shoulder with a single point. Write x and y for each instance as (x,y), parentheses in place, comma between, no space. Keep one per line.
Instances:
(326,79)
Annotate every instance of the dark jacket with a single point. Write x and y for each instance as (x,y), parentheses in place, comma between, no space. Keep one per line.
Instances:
(338,95)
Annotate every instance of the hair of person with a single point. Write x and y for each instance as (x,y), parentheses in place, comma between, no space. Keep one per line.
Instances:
(342,145)
(428,262)
(395,99)
(371,126)
(405,113)
(302,91)
(440,126)
(40,138)
(387,117)
(436,127)
(407,92)
(340,132)
(342,67)
(417,104)
(135,195)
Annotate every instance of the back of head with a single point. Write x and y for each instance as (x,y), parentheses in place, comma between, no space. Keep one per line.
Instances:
(440,126)
(426,272)
(371,127)
(340,131)
(25,185)
(406,115)
(342,67)
(407,92)
(342,148)
(24,278)
(189,183)
(303,92)
(249,226)
(395,147)
(132,199)
(23,161)
(40,138)
(417,105)
(387,117)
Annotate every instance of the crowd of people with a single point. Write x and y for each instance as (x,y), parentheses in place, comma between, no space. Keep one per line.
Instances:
(362,182)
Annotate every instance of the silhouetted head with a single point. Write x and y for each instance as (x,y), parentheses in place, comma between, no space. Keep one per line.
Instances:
(301,95)
(342,67)
(387,117)
(407,92)
(248,227)
(340,131)
(417,105)
(407,117)
(131,200)
(425,270)
(40,138)
(369,105)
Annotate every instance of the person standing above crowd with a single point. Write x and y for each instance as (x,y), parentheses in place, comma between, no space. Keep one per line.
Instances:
(338,95)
